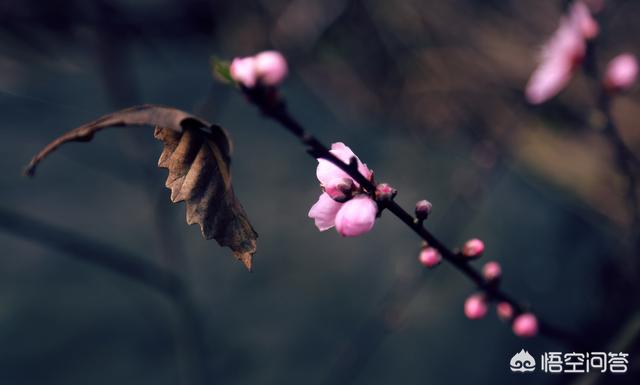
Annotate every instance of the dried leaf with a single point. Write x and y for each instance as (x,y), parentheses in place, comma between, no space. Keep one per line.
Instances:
(198,156)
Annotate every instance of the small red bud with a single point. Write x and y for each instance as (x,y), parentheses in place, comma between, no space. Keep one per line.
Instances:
(423,209)
(473,248)
(430,257)
(384,192)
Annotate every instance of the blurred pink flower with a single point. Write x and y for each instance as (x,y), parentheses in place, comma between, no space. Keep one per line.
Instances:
(271,67)
(243,70)
(475,306)
(335,207)
(268,68)
(580,16)
(622,72)
(525,325)
(562,54)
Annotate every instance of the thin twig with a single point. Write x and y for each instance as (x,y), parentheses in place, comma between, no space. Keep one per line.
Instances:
(274,107)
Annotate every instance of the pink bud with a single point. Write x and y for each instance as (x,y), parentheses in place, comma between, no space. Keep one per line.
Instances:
(356,216)
(430,257)
(475,306)
(622,72)
(339,189)
(384,192)
(525,325)
(423,209)
(491,271)
(504,310)
(473,248)
(271,67)
(243,71)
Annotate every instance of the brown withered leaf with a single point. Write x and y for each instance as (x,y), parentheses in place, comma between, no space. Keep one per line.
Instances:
(197,155)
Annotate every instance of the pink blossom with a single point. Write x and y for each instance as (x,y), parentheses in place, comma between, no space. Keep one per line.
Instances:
(562,54)
(243,70)
(430,257)
(580,16)
(356,216)
(491,271)
(475,306)
(473,248)
(525,325)
(351,216)
(327,171)
(271,67)
(621,73)
(504,310)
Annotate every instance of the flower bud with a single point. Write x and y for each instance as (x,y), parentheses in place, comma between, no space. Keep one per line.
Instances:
(491,271)
(243,71)
(473,248)
(430,257)
(504,310)
(525,325)
(356,216)
(340,189)
(475,306)
(423,209)
(622,72)
(385,193)
(271,68)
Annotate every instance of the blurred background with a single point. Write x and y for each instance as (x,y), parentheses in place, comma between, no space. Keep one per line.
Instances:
(428,93)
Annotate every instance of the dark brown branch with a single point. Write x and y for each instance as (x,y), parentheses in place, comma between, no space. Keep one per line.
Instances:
(273,107)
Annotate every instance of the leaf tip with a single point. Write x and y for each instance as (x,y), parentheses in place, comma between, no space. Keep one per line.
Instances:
(247,261)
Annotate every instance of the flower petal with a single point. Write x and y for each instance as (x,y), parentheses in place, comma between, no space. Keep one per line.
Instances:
(357,216)
(327,171)
(324,212)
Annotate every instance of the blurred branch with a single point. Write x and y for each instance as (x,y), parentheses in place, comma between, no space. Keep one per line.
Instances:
(125,264)
(627,161)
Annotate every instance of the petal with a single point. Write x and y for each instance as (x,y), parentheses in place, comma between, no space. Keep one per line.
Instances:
(324,212)
(327,171)
(357,216)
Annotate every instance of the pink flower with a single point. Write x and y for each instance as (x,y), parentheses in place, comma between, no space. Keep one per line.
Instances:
(356,216)
(351,216)
(525,325)
(580,16)
(621,73)
(327,171)
(475,306)
(491,271)
(562,54)
(243,70)
(268,68)
(271,67)
(504,310)
(430,257)
(473,248)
